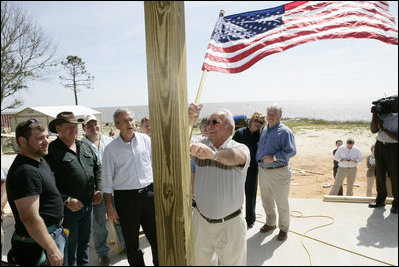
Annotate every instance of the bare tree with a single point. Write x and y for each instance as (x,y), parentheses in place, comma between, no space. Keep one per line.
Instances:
(77,75)
(26,53)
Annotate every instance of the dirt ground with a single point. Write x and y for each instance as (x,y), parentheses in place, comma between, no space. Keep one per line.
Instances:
(312,167)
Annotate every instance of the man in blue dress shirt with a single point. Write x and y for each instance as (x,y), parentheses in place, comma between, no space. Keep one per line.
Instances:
(275,148)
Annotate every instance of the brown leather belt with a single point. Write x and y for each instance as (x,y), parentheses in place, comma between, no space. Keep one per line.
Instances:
(276,167)
(228,217)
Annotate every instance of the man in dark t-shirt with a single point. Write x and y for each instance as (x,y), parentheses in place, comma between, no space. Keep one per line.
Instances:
(35,201)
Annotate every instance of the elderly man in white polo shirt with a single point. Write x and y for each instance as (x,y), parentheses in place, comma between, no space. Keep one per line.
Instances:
(348,157)
(221,166)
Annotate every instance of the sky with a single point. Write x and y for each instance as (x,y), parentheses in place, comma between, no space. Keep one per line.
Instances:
(109,36)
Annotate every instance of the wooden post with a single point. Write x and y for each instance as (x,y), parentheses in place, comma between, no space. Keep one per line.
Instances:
(167,96)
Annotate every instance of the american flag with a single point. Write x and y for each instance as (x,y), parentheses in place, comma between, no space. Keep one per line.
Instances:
(239,41)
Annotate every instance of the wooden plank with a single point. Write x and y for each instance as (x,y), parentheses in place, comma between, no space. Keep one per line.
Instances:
(355,199)
(167,95)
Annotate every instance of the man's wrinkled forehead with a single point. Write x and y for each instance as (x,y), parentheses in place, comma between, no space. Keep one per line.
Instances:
(217,115)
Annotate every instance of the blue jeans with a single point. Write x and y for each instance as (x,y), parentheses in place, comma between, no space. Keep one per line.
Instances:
(118,229)
(79,225)
(100,232)
(61,241)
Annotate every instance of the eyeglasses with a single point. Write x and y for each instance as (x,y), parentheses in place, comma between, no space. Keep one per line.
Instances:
(261,122)
(212,122)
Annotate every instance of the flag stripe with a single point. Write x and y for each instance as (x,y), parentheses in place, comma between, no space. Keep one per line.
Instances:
(292,24)
(228,67)
(224,55)
(302,22)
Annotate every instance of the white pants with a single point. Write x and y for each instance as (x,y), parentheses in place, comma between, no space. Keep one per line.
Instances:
(275,188)
(350,173)
(224,243)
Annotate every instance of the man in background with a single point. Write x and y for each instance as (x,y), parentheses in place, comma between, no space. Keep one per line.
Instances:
(276,147)
(78,177)
(145,126)
(338,143)
(386,153)
(348,157)
(97,142)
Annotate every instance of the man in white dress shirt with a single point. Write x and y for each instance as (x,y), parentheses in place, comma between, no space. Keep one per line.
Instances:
(127,171)
(348,157)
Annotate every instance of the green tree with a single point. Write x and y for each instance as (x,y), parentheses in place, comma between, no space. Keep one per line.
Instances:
(26,53)
(77,75)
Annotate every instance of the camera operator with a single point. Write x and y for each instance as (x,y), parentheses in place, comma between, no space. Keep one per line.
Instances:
(385,123)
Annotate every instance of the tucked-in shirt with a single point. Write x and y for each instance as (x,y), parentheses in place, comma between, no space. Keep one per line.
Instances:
(391,124)
(351,154)
(28,177)
(277,141)
(104,141)
(77,175)
(127,165)
(219,189)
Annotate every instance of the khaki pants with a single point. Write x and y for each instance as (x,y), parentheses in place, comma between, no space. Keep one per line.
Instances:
(274,187)
(350,174)
(370,184)
(220,243)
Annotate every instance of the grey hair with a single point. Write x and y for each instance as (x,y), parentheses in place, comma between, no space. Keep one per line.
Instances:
(275,106)
(228,116)
(119,111)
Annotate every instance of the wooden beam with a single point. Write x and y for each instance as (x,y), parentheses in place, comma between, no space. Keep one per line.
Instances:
(353,199)
(167,96)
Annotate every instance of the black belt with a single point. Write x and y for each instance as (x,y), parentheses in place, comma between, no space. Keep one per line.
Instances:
(276,167)
(228,217)
(386,143)
(144,189)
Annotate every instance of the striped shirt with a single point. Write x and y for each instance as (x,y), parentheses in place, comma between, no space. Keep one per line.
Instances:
(127,165)
(219,189)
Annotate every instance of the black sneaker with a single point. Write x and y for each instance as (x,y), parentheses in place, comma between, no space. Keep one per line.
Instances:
(376,205)
(104,260)
(250,225)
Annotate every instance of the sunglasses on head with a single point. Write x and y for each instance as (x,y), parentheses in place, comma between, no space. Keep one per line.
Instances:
(30,121)
(212,122)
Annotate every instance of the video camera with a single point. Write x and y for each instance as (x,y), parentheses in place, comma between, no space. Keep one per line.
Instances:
(383,105)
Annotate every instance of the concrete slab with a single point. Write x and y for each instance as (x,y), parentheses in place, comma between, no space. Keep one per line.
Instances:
(358,235)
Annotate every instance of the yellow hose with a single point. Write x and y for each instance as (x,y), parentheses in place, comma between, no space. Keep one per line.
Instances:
(301,216)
